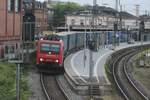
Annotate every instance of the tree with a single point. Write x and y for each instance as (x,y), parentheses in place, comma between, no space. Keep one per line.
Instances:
(61,9)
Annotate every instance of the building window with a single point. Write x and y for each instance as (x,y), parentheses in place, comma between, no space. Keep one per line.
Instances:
(72,21)
(9,49)
(17,5)
(11,5)
(81,22)
(90,22)
(100,21)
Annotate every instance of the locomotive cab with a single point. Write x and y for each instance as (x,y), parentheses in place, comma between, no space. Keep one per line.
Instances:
(49,53)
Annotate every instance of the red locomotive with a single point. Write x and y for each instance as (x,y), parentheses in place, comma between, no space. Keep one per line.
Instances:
(49,53)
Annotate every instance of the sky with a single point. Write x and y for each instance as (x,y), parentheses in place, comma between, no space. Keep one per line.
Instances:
(127,5)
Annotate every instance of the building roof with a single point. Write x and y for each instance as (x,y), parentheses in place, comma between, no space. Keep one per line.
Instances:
(127,15)
(102,10)
(145,17)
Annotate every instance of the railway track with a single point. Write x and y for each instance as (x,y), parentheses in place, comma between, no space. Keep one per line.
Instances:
(53,91)
(51,88)
(124,83)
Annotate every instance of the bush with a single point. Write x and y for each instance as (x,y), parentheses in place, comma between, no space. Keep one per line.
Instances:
(8,83)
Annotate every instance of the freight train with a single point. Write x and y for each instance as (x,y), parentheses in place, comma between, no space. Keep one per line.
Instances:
(52,51)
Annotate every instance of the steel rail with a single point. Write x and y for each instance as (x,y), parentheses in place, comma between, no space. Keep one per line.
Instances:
(115,78)
(126,55)
(44,87)
(62,89)
(130,80)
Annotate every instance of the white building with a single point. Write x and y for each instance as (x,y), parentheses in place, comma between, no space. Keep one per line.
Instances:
(104,19)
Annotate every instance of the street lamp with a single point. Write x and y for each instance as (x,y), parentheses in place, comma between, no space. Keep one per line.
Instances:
(91,44)
(85,42)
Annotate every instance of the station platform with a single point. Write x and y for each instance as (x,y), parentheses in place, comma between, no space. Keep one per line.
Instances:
(77,67)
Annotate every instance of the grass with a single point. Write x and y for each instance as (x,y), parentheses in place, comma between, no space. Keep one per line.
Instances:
(8,82)
(141,74)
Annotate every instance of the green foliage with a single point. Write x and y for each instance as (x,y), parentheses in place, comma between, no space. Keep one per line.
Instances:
(61,9)
(8,83)
(25,93)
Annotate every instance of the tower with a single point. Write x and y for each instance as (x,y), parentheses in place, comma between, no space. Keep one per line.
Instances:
(137,10)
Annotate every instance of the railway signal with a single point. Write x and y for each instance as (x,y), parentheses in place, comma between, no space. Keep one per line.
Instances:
(115,32)
(92,45)
(28,27)
(142,29)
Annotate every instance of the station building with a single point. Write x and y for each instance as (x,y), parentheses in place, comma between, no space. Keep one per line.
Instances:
(103,19)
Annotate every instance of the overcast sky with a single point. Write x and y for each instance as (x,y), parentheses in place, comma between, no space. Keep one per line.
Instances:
(128,5)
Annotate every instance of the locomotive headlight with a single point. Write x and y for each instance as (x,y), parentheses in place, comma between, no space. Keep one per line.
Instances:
(56,61)
(41,59)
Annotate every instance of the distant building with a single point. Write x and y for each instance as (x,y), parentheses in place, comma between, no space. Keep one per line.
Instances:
(39,12)
(41,16)
(50,12)
(146,19)
(104,19)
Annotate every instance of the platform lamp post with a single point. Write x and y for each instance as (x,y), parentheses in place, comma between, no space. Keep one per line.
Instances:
(91,64)
(91,44)
(116,23)
(115,31)
(84,57)
(142,30)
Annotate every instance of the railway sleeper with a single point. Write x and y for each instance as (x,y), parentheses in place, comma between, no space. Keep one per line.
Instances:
(95,91)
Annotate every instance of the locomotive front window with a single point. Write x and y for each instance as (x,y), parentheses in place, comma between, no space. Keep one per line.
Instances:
(50,48)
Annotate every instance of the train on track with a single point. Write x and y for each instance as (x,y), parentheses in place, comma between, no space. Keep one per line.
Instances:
(52,50)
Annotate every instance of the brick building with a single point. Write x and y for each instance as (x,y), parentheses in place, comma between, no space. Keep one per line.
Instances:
(14,13)
(39,11)
(10,23)
(41,16)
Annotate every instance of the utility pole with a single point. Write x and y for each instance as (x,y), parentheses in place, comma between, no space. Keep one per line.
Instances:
(120,24)
(91,44)
(84,58)
(116,5)
(142,30)
(115,23)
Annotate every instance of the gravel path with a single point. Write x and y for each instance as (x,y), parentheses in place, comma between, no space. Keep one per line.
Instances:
(35,85)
